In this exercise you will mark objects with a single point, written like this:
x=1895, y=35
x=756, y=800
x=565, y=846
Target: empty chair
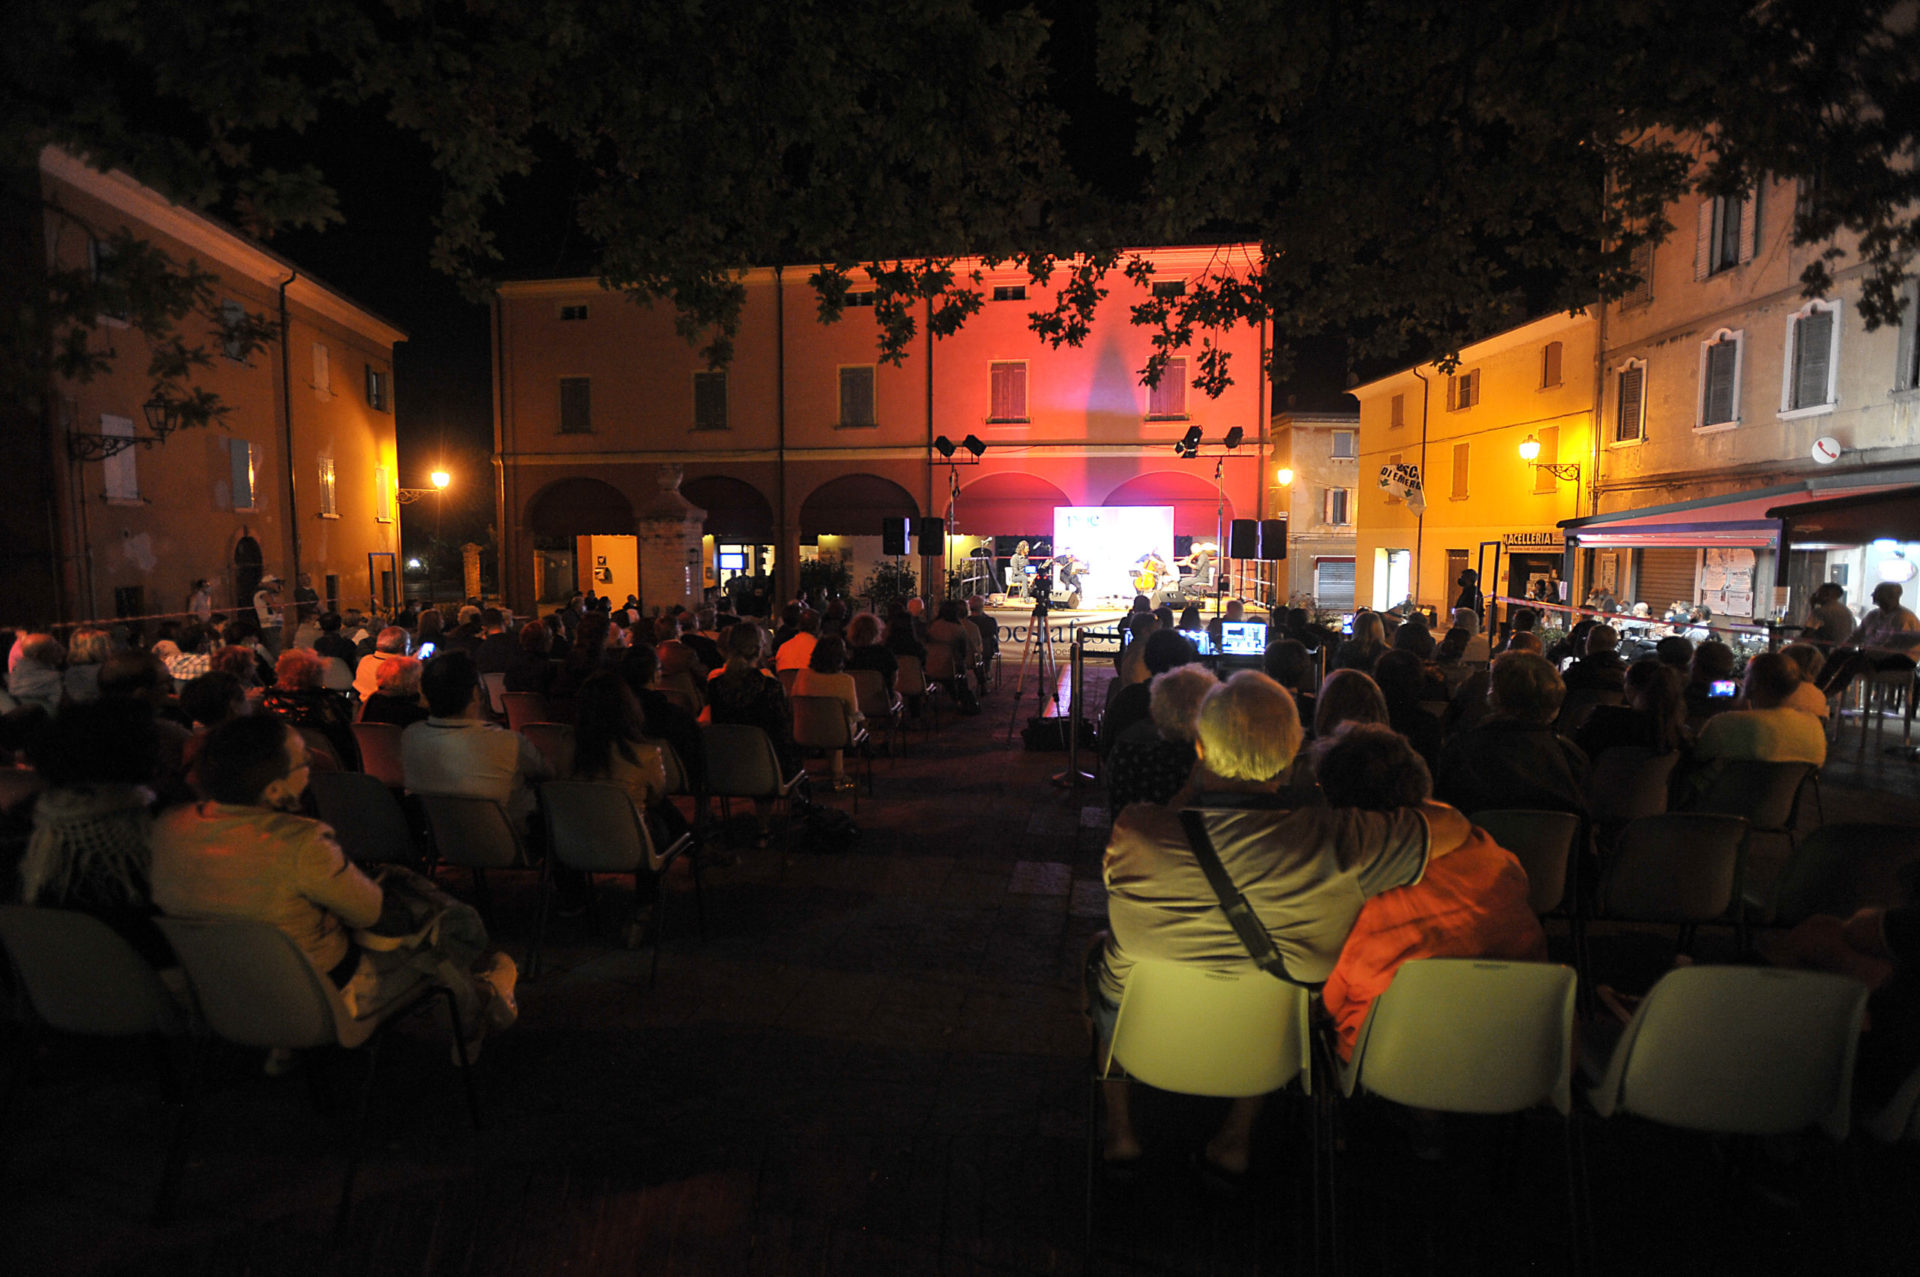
x=82, y=976
x=1628, y=782
x=1818, y=875
x=1681, y=867
x=1543, y=842
x=524, y=708
x=1579, y=705
x=380, y=752
x=366, y=816
x=594, y=827
x=1765, y=795
x=823, y=722
x=256, y=989
x=495, y=685
x=555, y=743
x=475, y=833
x=1739, y=1051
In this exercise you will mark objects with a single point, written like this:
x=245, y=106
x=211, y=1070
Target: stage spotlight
x=944, y=446
x=1234, y=436
x=972, y=444
x=1191, y=440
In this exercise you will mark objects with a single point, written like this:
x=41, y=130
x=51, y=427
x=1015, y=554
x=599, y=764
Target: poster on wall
x=1726, y=581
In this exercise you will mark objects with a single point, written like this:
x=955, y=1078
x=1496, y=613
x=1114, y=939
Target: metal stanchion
x=1073, y=777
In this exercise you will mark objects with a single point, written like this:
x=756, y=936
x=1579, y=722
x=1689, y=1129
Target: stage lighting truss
x=949, y=450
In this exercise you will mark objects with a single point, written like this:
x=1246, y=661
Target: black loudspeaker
x=933, y=538
x=1243, y=539
x=893, y=536
x=1273, y=538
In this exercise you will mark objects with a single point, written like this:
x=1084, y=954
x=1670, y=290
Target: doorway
x=247, y=570
x=381, y=579
x=1392, y=578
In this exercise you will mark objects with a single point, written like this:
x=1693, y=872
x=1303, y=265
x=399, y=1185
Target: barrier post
x=1073, y=777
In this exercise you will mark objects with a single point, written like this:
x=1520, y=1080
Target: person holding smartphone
x=1768, y=730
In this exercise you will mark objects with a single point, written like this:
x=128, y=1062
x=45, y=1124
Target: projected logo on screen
x=1121, y=546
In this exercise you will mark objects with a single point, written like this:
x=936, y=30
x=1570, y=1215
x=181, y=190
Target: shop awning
x=1856, y=519
x=1749, y=520
x=1012, y=503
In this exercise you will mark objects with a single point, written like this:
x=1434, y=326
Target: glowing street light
x=1529, y=449
x=1283, y=476
x=441, y=479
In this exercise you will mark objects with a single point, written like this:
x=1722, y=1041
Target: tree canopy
x=1408, y=176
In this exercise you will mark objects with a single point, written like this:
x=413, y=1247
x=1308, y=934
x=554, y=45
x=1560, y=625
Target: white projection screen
x=1110, y=540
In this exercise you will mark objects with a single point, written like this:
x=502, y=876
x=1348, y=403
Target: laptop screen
x=1201, y=643
x=1243, y=638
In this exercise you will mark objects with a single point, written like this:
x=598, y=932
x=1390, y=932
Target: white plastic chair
x=367, y=818
x=1739, y=1051
x=593, y=826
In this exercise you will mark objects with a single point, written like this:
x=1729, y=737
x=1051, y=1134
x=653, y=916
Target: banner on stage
x=1113, y=541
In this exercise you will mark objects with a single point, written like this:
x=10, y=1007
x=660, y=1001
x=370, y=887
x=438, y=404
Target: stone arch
x=579, y=506
x=1010, y=503
x=736, y=510
x=1195, y=501
x=854, y=505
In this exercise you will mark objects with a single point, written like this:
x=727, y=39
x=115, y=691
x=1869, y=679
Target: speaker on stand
x=893, y=536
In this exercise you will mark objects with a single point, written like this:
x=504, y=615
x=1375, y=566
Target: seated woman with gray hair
x=1153, y=759
x=1305, y=872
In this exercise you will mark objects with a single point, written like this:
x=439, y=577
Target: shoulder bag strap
x=1246, y=924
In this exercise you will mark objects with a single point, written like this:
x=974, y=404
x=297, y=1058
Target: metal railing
x=1736, y=633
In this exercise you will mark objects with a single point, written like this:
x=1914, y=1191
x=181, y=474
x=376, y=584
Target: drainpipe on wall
x=786, y=578
x=1420, y=520
x=503, y=536
x=926, y=571
x=286, y=425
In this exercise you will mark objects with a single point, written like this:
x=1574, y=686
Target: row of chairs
x=1729, y=1050
x=248, y=985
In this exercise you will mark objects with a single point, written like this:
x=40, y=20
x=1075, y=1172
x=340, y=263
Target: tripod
x=1039, y=652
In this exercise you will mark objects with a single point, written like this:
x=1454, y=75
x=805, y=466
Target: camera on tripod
x=1041, y=589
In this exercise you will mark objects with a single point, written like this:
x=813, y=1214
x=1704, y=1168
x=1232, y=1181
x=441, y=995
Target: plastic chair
x=678, y=782
x=1900, y=1119
x=1739, y=1051
x=366, y=816
x=255, y=988
x=593, y=826
x=741, y=763
x=878, y=704
x=525, y=707
x=475, y=833
x=495, y=685
x=1186, y=1029
x=1579, y=705
x=910, y=681
x=1629, y=782
x=1680, y=867
x=822, y=722
x=1818, y=876
x=1766, y=795
x=321, y=755
x=787, y=679
x=555, y=743
x=1543, y=842
x=380, y=752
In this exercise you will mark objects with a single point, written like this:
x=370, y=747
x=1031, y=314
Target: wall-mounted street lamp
x=1284, y=476
x=440, y=480
x=1563, y=470
x=163, y=418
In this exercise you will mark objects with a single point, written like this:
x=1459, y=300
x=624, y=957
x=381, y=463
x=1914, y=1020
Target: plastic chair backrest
x=496, y=685
x=787, y=679
x=871, y=687
x=1817, y=877
x=1628, y=782
x=1900, y=1119
x=366, y=817
x=525, y=707
x=1681, y=866
x=1739, y=1051
x=1579, y=705
x=1764, y=793
x=555, y=743
x=1543, y=843
x=321, y=755
x=83, y=977
x=675, y=766
x=472, y=832
x=1198, y=1032
x=941, y=662
x=17, y=784
x=821, y=722
x=380, y=752
x=254, y=986
x=1466, y=1036
x=682, y=690
x=338, y=676
x=592, y=826
x=911, y=680
x=740, y=761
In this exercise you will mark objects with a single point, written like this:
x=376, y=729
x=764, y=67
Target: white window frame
x=1787, y=364
x=1173, y=379
x=1352, y=440
x=1024, y=410
x=120, y=473
x=873, y=397
x=726, y=400
x=329, y=490
x=383, y=494
x=1739, y=339
x=1710, y=252
x=1619, y=373
x=1336, y=497
x=252, y=455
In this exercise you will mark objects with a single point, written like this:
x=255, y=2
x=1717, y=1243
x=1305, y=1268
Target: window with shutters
x=1544, y=480
x=1641, y=293
x=576, y=405
x=105, y=274
x=382, y=495
x=856, y=397
x=1168, y=400
x=1906, y=371
x=1720, y=380
x=1397, y=412
x=710, y=400
x=1010, y=292
x=1630, y=402
x=573, y=314
x=243, y=464
x=1550, y=365
x=1009, y=391
x=1463, y=390
x=1346, y=445
x=863, y=297
x=120, y=473
x=322, y=372
x=1459, y=492
x=1171, y=288
x=1813, y=350
x=1729, y=227
x=232, y=315
x=379, y=394
x=1337, y=506
x=329, y=494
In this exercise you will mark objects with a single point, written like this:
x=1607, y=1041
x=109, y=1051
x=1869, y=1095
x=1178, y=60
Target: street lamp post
x=441, y=480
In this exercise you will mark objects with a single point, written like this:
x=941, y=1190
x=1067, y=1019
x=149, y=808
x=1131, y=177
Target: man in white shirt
x=1885, y=640
x=266, y=610
x=455, y=751
x=390, y=642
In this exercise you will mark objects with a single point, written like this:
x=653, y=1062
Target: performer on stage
x=1017, y=572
